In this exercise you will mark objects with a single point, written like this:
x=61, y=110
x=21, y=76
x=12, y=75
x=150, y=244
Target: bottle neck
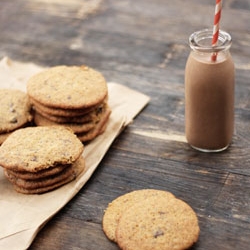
x=201, y=42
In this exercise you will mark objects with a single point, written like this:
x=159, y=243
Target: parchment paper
x=21, y=216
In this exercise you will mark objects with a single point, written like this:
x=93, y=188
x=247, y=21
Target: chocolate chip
x=34, y=158
x=99, y=110
x=158, y=233
x=13, y=120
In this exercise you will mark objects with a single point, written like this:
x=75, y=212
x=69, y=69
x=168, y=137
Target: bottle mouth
x=202, y=41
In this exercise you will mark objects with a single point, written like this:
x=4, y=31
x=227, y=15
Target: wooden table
x=143, y=44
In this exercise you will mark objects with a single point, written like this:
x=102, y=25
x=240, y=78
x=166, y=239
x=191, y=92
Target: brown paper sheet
x=21, y=216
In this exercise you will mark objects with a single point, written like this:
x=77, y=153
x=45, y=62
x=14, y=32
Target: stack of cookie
x=151, y=219
x=70, y=96
x=15, y=112
x=40, y=159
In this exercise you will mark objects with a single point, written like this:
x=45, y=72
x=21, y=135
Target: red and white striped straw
x=216, y=28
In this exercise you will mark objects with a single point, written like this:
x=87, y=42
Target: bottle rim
x=202, y=41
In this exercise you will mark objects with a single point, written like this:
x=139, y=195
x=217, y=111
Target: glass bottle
x=209, y=92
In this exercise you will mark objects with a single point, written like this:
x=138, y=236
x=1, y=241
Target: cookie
x=61, y=111
x=76, y=127
x=36, y=148
x=68, y=87
x=78, y=168
x=97, y=130
x=15, y=110
x=41, y=182
x=93, y=115
x=3, y=137
x=44, y=189
x=37, y=175
x=158, y=223
x=71, y=96
x=119, y=206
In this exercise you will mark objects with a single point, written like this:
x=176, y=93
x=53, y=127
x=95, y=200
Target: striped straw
x=216, y=28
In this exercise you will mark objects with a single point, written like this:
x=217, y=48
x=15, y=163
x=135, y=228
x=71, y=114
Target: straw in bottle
x=216, y=27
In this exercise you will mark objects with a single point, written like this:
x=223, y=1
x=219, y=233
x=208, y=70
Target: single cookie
x=158, y=223
x=15, y=110
x=119, y=206
x=68, y=87
x=35, y=148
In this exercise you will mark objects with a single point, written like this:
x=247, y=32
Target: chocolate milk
x=209, y=101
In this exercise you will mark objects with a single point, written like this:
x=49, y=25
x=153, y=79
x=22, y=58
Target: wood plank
x=73, y=234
